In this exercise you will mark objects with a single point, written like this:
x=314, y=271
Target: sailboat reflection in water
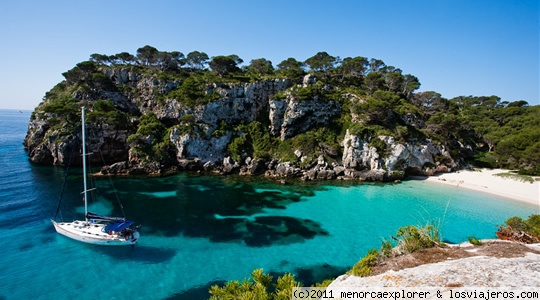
x=96, y=229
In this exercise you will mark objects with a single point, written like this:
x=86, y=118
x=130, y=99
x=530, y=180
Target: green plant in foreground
x=259, y=286
x=409, y=239
x=363, y=267
x=473, y=240
x=413, y=238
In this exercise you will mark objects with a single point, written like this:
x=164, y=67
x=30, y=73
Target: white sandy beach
x=484, y=180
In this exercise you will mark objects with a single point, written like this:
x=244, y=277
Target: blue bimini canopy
x=118, y=226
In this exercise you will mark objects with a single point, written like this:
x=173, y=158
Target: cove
x=202, y=230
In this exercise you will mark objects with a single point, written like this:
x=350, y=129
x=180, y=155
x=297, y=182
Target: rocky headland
x=199, y=136
x=355, y=118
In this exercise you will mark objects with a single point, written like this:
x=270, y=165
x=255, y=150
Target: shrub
x=413, y=238
x=363, y=267
x=409, y=239
x=187, y=118
x=524, y=230
x=104, y=112
x=473, y=240
x=259, y=286
x=151, y=140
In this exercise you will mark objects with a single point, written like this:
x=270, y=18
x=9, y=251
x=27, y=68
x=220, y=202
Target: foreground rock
x=494, y=264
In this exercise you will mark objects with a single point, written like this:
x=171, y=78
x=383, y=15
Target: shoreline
x=483, y=180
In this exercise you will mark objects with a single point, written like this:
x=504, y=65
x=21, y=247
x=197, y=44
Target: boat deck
x=93, y=233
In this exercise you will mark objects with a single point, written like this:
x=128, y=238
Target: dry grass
x=498, y=249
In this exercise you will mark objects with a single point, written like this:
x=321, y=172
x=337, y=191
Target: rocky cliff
x=146, y=123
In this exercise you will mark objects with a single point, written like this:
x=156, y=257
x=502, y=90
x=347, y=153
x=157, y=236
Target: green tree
x=65, y=107
x=104, y=112
x=124, y=58
x=169, y=60
x=261, y=67
x=147, y=55
x=291, y=68
x=196, y=59
x=82, y=72
x=393, y=79
x=321, y=62
x=429, y=102
x=409, y=85
x=353, y=69
x=376, y=65
x=150, y=143
x=379, y=108
x=100, y=58
x=374, y=82
x=223, y=65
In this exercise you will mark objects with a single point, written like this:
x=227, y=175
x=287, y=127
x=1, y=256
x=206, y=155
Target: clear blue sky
x=455, y=47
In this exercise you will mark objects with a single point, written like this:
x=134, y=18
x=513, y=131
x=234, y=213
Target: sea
x=201, y=230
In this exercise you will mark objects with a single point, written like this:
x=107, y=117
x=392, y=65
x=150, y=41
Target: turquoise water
x=201, y=230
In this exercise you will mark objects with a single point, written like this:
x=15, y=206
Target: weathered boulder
x=229, y=165
x=281, y=170
x=252, y=167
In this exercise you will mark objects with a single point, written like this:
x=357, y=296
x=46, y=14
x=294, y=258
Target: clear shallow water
x=202, y=230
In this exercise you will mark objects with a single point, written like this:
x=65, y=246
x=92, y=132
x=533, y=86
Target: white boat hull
x=93, y=233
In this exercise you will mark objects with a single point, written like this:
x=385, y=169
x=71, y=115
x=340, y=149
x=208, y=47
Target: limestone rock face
x=289, y=117
x=194, y=146
x=409, y=155
x=358, y=155
x=299, y=116
x=309, y=79
x=53, y=146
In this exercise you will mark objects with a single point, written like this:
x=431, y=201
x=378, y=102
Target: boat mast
x=84, y=166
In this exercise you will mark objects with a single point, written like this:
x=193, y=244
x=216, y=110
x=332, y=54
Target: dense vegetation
x=375, y=98
x=524, y=231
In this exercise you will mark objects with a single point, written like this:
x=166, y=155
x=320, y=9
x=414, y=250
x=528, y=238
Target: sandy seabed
x=484, y=180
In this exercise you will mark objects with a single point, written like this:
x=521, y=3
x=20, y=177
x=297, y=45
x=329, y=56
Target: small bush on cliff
x=150, y=142
x=253, y=140
x=64, y=106
x=104, y=112
x=192, y=92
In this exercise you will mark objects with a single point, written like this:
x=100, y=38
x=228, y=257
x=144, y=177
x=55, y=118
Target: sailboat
x=97, y=229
